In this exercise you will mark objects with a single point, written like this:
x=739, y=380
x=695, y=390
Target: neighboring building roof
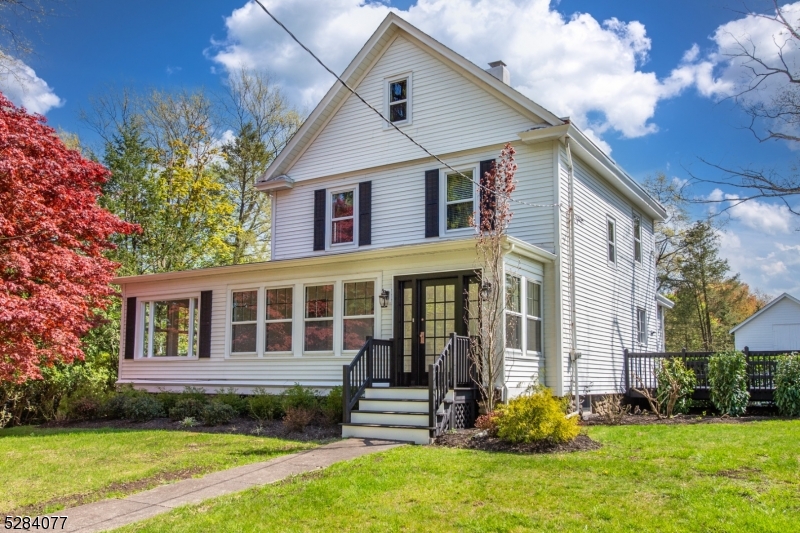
x=663, y=301
x=766, y=307
x=373, y=50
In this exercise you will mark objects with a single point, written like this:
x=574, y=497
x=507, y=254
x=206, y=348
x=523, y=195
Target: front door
x=430, y=308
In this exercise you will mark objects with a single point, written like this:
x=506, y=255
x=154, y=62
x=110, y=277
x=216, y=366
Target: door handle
x=422, y=337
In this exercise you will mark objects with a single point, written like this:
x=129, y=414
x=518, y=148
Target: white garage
x=775, y=327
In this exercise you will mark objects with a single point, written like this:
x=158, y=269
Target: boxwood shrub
x=727, y=377
x=787, y=385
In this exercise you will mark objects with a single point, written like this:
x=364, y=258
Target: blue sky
x=661, y=115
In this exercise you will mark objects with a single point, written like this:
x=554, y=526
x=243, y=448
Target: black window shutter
x=319, y=219
x=130, y=326
x=487, y=196
x=431, y=203
x=365, y=213
x=204, y=344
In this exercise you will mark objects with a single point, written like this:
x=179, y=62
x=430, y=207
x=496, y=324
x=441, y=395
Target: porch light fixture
x=486, y=289
x=384, y=298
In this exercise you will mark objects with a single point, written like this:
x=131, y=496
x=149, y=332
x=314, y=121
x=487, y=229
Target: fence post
x=627, y=372
x=370, y=353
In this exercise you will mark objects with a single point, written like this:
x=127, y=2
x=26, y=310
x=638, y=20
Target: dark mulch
x=476, y=439
x=240, y=426
x=649, y=419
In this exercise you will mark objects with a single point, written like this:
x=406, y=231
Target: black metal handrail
x=372, y=364
x=640, y=371
x=446, y=372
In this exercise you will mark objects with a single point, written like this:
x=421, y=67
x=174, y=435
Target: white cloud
x=22, y=86
x=769, y=218
x=774, y=268
x=576, y=66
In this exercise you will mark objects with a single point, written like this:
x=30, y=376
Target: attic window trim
x=387, y=83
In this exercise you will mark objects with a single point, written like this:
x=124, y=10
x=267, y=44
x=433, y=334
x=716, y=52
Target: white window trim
x=329, y=217
x=229, y=318
x=637, y=240
x=641, y=332
x=373, y=316
x=469, y=230
x=611, y=241
x=145, y=353
x=265, y=321
x=529, y=316
x=337, y=336
x=408, y=76
x=519, y=314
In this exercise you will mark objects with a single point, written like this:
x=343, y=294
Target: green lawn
x=49, y=469
x=720, y=477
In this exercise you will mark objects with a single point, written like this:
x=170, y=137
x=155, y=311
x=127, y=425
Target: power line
x=392, y=124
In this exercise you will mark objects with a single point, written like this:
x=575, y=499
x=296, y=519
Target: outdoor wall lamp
x=486, y=289
x=384, y=298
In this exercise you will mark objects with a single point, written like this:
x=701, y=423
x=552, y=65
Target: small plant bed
x=477, y=439
x=237, y=426
x=679, y=419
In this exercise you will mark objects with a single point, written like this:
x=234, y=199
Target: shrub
x=488, y=422
x=188, y=422
x=536, y=416
x=216, y=413
x=298, y=418
x=676, y=385
x=114, y=406
x=231, y=397
x=727, y=377
x=301, y=397
x=611, y=409
x=168, y=399
x=144, y=407
x=264, y=406
x=787, y=385
x=332, y=407
x=187, y=408
x=81, y=407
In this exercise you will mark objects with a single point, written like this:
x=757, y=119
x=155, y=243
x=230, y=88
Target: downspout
x=573, y=352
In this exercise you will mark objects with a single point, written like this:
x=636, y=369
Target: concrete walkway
x=113, y=513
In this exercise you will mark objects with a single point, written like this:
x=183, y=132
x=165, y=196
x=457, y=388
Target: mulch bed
x=476, y=439
x=650, y=419
x=239, y=426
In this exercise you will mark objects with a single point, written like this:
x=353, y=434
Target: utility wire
x=392, y=124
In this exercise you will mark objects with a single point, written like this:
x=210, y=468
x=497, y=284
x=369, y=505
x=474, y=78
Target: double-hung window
x=513, y=312
x=342, y=217
x=641, y=325
x=637, y=239
x=244, y=321
x=398, y=100
x=459, y=199
x=170, y=328
x=533, y=312
x=278, y=318
x=359, y=314
x=318, y=334
x=611, y=237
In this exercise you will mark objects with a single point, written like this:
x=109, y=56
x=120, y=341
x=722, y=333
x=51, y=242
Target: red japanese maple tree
x=53, y=275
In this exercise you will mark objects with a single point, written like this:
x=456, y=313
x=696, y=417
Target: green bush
x=168, y=399
x=727, y=377
x=187, y=408
x=264, y=406
x=83, y=404
x=787, y=385
x=141, y=408
x=231, y=397
x=115, y=405
x=195, y=393
x=674, y=371
x=332, y=407
x=536, y=416
x=299, y=396
x=216, y=413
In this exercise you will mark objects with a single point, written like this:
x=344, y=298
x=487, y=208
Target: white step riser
x=417, y=436
x=397, y=392
x=390, y=419
x=408, y=407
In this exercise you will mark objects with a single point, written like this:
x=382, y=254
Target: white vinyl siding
x=777, y=328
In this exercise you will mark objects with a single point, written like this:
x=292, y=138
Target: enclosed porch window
x=170, y=328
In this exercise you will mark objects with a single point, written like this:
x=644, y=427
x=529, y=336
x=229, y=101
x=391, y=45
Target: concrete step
x=406, y=393
x=415, y=434
x=389, y=418
x=393, y=404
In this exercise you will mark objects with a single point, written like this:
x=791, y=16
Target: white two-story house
x=371, y=238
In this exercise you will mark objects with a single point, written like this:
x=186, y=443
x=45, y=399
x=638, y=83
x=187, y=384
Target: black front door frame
x=418, y=376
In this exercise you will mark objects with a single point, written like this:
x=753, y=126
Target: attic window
x=398, y=99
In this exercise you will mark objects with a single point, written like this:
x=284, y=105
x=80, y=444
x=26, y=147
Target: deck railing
x=450, y=369
x=372, y=364
x=640, y=371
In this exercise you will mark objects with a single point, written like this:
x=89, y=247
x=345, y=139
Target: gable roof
x=780, y=298
x=360, y=66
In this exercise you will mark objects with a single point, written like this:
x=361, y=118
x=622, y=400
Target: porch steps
x=395, y=413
